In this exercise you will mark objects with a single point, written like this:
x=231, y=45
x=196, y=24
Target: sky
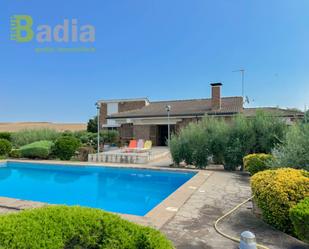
x=160, y=49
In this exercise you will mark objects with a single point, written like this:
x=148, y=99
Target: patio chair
x=132, y=146
x=140, y=146
x=147, y=146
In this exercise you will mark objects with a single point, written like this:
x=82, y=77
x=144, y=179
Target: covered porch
x=154, y=129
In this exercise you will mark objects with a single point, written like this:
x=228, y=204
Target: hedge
x=5, y=147
x=214, y=140
x=299, y=216
x=276, y=191
x=57, y=227
x=40, y=149
x=254, y=163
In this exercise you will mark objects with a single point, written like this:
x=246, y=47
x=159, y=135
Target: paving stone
x=192, y=227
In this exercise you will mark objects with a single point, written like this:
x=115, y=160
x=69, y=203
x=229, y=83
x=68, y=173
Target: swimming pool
x=121, y=190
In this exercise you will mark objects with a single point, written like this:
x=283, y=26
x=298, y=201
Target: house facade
x=142, y=119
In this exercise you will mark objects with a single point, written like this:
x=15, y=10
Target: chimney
x=216, y=96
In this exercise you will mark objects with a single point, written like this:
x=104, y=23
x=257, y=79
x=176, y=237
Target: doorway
x=163, y=134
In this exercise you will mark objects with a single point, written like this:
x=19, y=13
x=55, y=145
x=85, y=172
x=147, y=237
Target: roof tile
x=192, y=107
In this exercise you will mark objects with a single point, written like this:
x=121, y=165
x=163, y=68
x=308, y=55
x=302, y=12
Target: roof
x=274, y=111
x=122, y=100
x=191, y=107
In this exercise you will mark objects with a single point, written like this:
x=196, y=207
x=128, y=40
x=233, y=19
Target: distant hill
x=38, y=125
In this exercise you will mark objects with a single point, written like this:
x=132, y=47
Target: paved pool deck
x=192, y=226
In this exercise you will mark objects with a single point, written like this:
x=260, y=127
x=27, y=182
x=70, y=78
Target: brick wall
x=141, y=131
x=185, y=122
x=126, y=133
x=216, y=97
x=122, y=107
x=132, y=105
x=103, y=114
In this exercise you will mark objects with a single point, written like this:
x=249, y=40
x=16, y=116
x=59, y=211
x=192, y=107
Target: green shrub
x=241, y=139
x=299, y=216
x=86, y=137
x=39, y=149
x=25, y=137
x=254, y=163
x=226, y=142
x=269, y=131
x=276, y=191
x=65, y=147
x=190, y=146
x=201, y=151
x=15, y=153
x=293, y=152
x=186, y=148
x=109, y=136
x=56, y=227
x=175, y=148
x=216, y=132
x=6, y=135
x=5, y=147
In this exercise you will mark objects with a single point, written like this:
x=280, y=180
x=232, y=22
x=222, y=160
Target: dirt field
x=38, y=125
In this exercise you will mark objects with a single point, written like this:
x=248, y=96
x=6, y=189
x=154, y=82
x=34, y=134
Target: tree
x=92, y=125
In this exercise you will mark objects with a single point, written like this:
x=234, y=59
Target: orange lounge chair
x=132, y=146
x=140, y=145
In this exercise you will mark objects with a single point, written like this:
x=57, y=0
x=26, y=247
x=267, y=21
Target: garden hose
x=228, y=213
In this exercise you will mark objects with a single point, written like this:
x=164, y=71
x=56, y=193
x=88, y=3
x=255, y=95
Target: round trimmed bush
x=40, y=150
x=5, y=147
x=254, y=163
x=276, y=191
x=56, y=227
x=299, y=216
x=65, y=147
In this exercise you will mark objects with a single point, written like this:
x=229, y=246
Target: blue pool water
x=122, y=190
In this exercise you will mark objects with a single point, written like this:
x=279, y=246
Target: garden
x=51, y=144
x=275, y=154
x=54, y=227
